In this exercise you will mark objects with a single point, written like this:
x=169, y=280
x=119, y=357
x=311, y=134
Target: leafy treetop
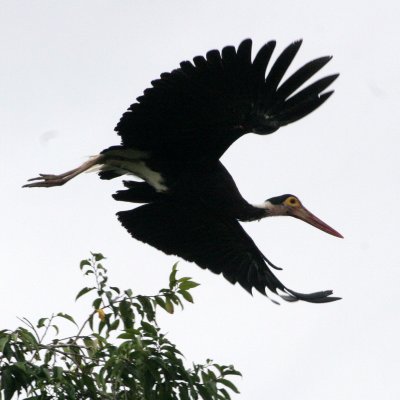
x=118, y=352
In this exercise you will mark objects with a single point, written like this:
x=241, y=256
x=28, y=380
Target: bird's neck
x=253, y=212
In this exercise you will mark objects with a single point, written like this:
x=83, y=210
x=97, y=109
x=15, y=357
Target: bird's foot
x=47, y=180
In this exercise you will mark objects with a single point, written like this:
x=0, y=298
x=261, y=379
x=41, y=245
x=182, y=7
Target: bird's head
x=288, y=204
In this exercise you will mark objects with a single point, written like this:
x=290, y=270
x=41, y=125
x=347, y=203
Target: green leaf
x=100, y=338
x=55, y=328
x=129, y=334
x=172, y=276
x=148, y=328
x=3, y=341
x=27, y=337
x=183, y=393
x=188, y=285
x=89, y=383
x=160, y=301
x=114, y=325
x=49, y=354
x=41, y=322
x=186, y=295
x=90, y=320
x=171, y=348
x=102, y=272
x=84, y=263
x=109, y=295
x=102, y=325
x=232, y=372
x=228, y=384
x=169, y=307
x=96, y=303
x=68, y=317
x=57, y=373
x=147, y=307
x=184, y=279
x=225, y=394
x=126, y=313
x=116, y=289
x=98, y=256
x=8, y=383
x=46, y=373
x=204, y=392
x=175, y=299
x=84, y=291
x=91, y=345
x=212, y=375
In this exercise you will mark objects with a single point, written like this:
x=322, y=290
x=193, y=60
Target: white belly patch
x=130, y=161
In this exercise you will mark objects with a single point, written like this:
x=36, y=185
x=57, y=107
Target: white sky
x=70, y=68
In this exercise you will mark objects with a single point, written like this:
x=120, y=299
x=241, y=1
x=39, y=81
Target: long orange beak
x=306, y=216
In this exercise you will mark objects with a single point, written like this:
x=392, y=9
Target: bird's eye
x=292, y=201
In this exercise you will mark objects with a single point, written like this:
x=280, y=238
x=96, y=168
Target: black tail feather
x=137, y=192
x=316, y=297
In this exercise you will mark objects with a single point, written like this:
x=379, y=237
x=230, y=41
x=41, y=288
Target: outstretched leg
x=46, y=180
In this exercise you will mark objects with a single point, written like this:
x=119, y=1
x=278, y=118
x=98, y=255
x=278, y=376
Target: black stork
x=173, y=138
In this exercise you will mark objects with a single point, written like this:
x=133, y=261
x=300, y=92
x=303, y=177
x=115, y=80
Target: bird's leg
x=47, y=180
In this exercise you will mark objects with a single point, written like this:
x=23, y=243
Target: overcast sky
x=69, y=69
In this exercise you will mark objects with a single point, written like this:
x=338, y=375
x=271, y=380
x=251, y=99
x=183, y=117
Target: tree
x=118, y=352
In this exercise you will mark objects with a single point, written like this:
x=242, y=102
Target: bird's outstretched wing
x=200, y=109
x=220, y=245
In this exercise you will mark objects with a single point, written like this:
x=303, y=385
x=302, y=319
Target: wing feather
x=218, y=244
x=301, y=76
x=261, y=61
x=198, y=110
x=280, y=67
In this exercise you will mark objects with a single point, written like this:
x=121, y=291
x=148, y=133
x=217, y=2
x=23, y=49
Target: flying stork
x=173, y=138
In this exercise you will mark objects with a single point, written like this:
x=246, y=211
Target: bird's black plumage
x=198, y=221
x=173, y=138
x=186, y=121
x=211, y=240
x=194, y=113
